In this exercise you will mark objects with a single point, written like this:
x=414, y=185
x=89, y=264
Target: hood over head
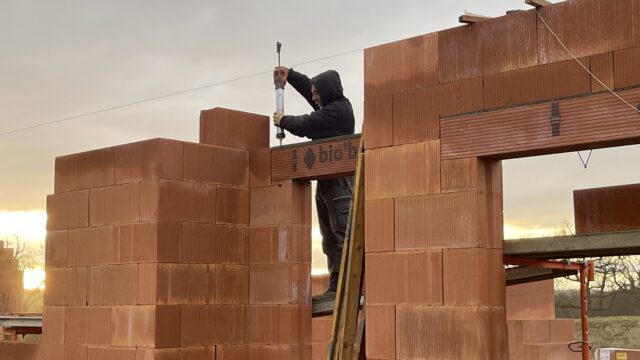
x=329, y=86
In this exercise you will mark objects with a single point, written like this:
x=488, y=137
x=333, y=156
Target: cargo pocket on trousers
x=342, y=205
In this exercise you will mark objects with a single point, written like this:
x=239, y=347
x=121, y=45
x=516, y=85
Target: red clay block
x=230, y=244
x=22, y=350
x=232, y=205
x=270, y=244
x=301, y=243
x=68, y=210
x=229, y=324
x=537, y=288
x=66, y=286
x=627, y=67
x=460, y=97
x=459, y=53
x=321, y=329
x=149, y=159
x=232, y=352
x=272, y=205
x=594, y=27
x=272, y=284
x=84, y=170
x=195, y=325
x=55, y=249
x=53, y=325
x=391, y=278
x=106, y=353
x=381, y=330
x=155, y=242
x=602, y=68
x=406, y=170
x=146, y=326
x=534, y=84
x=378, y=122
x=453, y=220
x=473, y=277
x=262, y=323
x=401, y=65
x=471, y=174
x=197, y=243
x=319, y=284
x=450, y=332
x=173, y=284
x=87, y=325
x=501, y=53
x=606, y=209
x=113, y=285
x=91, y=246
x=231, y=284
x=294, y=324
x=415, y=116
x=216, y=164
x=562, y=330
x=63, y=352
x=525, y=307
x=260, y=167
x=234, y=129
x=165, y=200
x=378, y=225
x=183, y=353
x=167, y=325
x=118, y=204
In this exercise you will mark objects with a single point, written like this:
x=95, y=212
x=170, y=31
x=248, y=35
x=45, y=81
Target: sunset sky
x=61, y=59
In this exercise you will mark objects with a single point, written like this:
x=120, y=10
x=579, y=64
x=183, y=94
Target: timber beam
x=526, y=274
x=537, y=3
x=470, y=18
x=574, y=246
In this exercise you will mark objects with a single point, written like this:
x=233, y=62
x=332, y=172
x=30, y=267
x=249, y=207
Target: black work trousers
x=333, y=198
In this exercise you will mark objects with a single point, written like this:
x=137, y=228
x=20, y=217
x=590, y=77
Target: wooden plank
x=355, y=265
x=526, y=274
x=575, y=246
x=582, y=123
x=318, y=159
x=345, y=314
x=537, y=3
x=470, y=18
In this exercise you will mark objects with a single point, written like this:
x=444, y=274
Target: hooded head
x=328, y=87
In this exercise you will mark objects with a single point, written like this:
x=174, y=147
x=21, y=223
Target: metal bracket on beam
x=470, y=18
x=537, y=3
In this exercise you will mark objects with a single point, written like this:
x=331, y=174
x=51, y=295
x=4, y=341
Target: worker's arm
x=302, y=84
x=318, y=124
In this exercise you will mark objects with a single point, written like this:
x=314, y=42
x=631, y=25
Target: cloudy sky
x=64, y=58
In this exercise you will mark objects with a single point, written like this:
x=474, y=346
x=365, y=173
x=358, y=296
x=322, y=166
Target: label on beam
x=319, y=159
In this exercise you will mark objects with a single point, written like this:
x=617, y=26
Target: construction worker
x=332, y=116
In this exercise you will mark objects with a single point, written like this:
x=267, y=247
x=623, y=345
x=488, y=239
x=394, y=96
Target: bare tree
x=28, y=255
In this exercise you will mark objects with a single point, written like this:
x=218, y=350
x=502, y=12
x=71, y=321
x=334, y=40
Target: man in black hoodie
x=333, y=116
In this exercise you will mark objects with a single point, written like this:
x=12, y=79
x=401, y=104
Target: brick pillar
x=148, y=250
x=433, y=227
x=11, y=288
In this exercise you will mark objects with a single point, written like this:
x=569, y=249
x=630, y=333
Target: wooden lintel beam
x=537, y=3
x=470, y=18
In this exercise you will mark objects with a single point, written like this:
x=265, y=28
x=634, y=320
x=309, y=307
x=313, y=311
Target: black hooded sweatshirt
x=334, y=118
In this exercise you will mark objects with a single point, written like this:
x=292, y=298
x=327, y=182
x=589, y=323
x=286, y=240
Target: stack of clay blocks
x=434, y=272
x=11, y=291
x=166, y=249
x=534, y=332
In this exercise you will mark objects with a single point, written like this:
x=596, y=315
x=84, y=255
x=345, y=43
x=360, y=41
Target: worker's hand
x=277, y=116
x=280, y=76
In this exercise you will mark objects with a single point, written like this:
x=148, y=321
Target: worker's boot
x=328, y=295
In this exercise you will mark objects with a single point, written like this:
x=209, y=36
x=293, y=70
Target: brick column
x=433, y=227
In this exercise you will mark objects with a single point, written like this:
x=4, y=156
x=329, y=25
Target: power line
x=245, y=77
